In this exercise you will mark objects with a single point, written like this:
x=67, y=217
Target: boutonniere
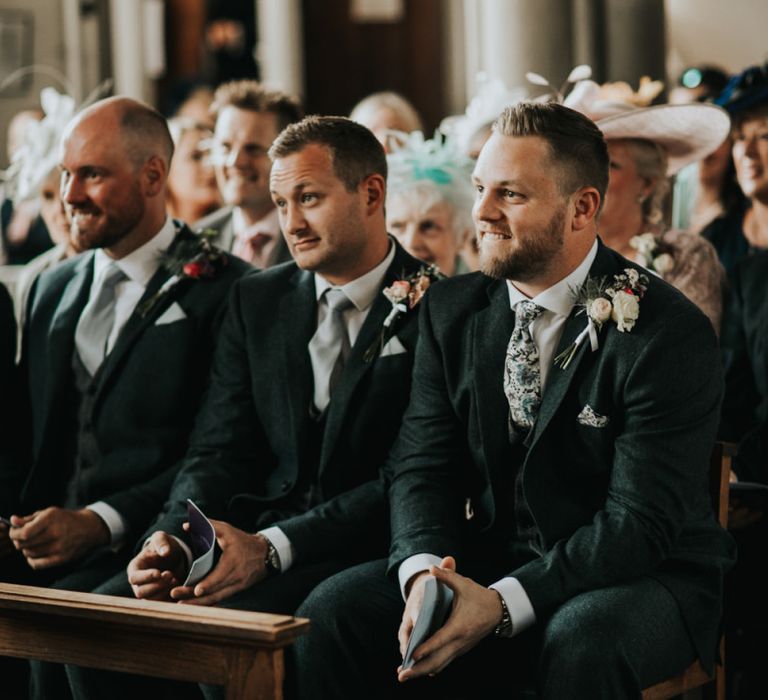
x=404, y=294
x=601, y=300
x=655, y=253
x=191, y=259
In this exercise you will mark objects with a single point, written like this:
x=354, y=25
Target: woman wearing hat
x=744, y=229
x=429, y=200
x=646, y=146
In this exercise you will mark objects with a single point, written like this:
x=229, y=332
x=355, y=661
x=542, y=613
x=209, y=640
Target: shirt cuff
x=413, y=565
x=283, y=546
x=518, y=604
x=113, y=520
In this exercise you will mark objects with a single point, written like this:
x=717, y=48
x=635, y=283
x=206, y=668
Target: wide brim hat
x=687, y=132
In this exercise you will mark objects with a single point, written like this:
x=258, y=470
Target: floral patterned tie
x=522, y=375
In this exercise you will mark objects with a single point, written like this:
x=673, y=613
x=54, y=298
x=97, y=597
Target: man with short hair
x=117, y=350
x=312, y=375
x=248, y=119
x=555, y=452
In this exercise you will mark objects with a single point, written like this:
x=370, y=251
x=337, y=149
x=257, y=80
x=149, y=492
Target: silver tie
x=329, y=347
x=522, y=374
x=96, y=321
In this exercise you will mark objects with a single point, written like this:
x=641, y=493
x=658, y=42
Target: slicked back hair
x=576, y=145
x=355, y=151
x=254, y=97
x=145, y=134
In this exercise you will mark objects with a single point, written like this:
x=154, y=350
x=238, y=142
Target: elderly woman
x=743, y=228
x=192, y=192
x=429, y=201
x=646, y=146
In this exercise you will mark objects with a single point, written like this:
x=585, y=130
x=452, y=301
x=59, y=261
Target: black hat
x=745, y=90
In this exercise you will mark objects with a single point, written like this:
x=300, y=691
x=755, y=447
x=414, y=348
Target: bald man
x=118, y=346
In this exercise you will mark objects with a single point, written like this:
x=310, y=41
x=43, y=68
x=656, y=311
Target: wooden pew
x=243, y=651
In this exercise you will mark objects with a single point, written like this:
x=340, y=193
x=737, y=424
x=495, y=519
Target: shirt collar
x=558, y=298
x=269, y=225
x=362, y=291
x=142, y=263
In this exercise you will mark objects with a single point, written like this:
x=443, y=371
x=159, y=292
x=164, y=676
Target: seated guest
x=37, y=179
x=429, y=201
x=744, y=229
x=192, y=190
x=558, y=488
x=23, y=235
x=311, y=377
x=8, y=407
x=248, y=119
x=386, y=113
x=110, y=348
x=647, y=145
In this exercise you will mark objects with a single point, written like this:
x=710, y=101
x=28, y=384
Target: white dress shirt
x=361, y=292
x=557, y=302
x=139, y=267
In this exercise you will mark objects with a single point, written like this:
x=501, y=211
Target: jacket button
x=286, y=485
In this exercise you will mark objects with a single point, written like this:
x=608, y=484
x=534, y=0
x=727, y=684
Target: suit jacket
x=221, y=222
x=9, y=404
x=610, y=504
x=146, y=393
x=745, y=356
x=252, y=451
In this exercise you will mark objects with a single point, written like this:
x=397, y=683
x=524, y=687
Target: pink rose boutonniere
x=603, y=301
x=404, y=295
x=192, y=259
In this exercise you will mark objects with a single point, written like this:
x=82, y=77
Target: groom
x=552, y=465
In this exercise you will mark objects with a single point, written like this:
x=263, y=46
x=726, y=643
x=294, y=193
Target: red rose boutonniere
x=191, y=259
x=404, y=294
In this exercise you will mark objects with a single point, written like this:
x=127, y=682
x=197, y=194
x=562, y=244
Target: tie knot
x=112, y=275
x=337, y=300
x=527, y=312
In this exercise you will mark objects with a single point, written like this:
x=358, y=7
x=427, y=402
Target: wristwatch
x=272, y=559
x=504, y=628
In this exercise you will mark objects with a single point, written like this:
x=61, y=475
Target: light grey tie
x=96, y=321
x=522, y=374
x=329, y=347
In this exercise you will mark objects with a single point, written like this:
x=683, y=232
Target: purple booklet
x=202, y=540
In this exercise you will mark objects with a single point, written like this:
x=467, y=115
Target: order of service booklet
x=434, y=612
x=202, y=540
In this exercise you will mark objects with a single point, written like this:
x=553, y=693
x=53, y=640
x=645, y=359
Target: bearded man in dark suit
x=287, y=451
x=557, y=460
x=117, y=350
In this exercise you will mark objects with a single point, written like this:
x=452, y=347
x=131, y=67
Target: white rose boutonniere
x=601, y=300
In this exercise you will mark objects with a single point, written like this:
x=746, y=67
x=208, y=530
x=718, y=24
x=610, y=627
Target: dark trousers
x=606, y=644
x=281, y=594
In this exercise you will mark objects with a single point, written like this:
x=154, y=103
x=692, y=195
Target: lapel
x=296, y=324
x=137, y=323
x=61, y=337
x=356, y=367
x=560, y=379
x=492, y=329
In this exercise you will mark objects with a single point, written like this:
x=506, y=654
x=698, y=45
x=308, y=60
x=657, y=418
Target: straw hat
x=688, y=132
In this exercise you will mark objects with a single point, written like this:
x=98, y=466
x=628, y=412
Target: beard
x=92, y=227
x=532, y=256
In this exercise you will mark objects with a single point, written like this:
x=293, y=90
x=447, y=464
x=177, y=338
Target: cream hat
x=688, y=132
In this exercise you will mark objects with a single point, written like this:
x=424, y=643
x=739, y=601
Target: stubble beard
x=533, y=256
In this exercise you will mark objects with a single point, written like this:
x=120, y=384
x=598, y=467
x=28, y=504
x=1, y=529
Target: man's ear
x=586, y=202
x=374, y=188
x=154, y=174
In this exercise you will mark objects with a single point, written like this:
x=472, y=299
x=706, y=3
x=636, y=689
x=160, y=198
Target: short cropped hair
x=575, y=143
x=355, y=151
x=254, y=97
x=145, y=133
x=408, y=117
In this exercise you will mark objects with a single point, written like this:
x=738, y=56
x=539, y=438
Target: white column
x=127, y=29
x=280, y=44
x=73, y=47
x=517, y=36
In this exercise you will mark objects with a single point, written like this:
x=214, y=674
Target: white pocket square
x=592, y=419
x=173, y=313
x=393, y=347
